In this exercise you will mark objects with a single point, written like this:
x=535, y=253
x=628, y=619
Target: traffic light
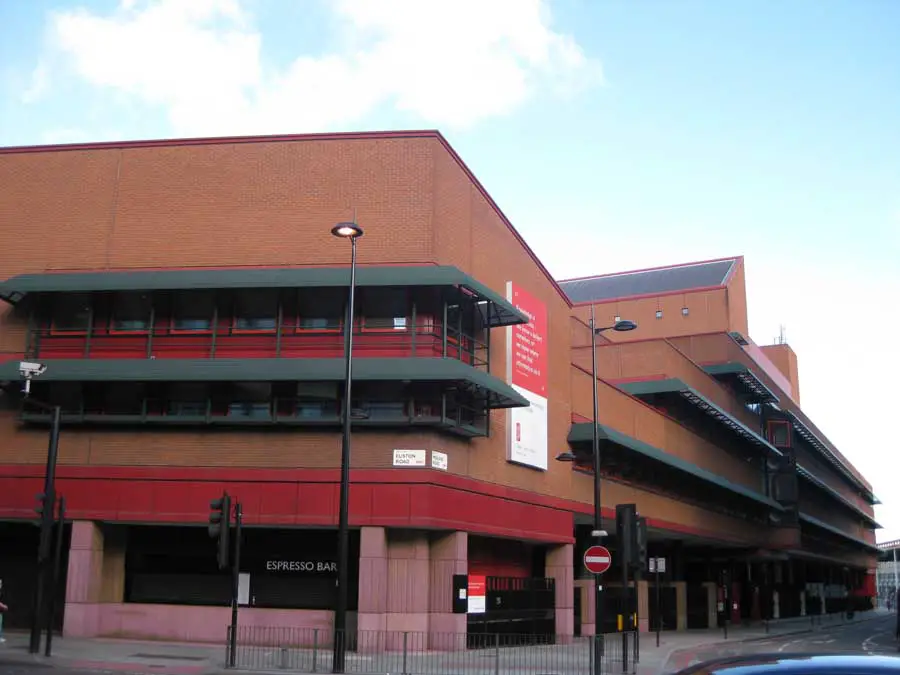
x=640, y=547
x=626, y=514
x=220, y=525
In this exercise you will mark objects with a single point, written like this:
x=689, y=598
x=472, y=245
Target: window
x=124, y=398
x=187, y=399
x=385, y=323
x=316, y=400
x=130, y=312
x=251, y=401
x=72, y=312
x=322, y=310
x=384, y=308
x=256, y=310
x=193, y=311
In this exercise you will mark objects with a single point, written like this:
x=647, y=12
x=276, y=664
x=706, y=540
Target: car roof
x=757, y=664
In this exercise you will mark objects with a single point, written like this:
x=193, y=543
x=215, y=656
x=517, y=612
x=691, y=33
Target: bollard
x=315, y=648
x=284, y=658
x=405, y=636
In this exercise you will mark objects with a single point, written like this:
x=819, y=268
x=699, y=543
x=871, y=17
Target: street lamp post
x=350, y=231
x=598, y=532
x=28, y=371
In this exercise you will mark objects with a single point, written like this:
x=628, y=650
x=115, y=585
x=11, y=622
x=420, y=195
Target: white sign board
x=410, y=458
x=438, y=460
x=243, y=589
x=527, y=356
x=657, y=565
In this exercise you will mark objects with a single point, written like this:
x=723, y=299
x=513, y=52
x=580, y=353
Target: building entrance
x=517, y=609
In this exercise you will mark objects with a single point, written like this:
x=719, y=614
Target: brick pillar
x=84, y=581
x=449, y=554
x=559, y=565
x=373, y=575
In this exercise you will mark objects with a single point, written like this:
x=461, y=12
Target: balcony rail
x=310, y=650
x=225, y=341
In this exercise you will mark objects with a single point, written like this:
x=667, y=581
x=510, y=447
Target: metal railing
x=309, y=650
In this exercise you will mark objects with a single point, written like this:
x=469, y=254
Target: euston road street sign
x=597, y=559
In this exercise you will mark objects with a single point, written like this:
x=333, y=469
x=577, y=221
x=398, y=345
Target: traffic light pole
x=235, y=584
x=46, y=525
x=57, y=568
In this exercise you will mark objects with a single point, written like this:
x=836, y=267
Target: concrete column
x=559, y=565
x=84, y=581
x=407, y=589
x=585, y=587
x=681, y=604
x=373, y=575
x=643, y=602
x=712, y=613
x=449, y=555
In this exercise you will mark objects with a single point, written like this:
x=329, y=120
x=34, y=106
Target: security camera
x=29, y=370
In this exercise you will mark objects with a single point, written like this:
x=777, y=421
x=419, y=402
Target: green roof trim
x=676, y=386
x=504, y=313
x=499, y=394
x=834, y=530
x=583, y=433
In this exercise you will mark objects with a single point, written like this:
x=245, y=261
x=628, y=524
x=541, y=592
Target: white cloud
x=447, y=62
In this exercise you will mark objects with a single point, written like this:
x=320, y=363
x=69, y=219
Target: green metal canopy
x=502, y=313
x=498, y=393
x=676, y=386
x=810, y=520
x=834, y=494
x=580, y=433
x=747, y=379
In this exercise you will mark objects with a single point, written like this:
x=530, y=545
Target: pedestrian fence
x=310, y=650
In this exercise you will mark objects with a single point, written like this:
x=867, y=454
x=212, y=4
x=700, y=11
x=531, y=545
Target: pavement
x=867, y=632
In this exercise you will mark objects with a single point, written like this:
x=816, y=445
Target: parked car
x=797, y=664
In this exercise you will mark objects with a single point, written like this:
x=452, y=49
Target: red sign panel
x=597, y=559
x=529, y=344
x=477, y=594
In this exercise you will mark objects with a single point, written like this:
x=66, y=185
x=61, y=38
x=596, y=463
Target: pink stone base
x=182, y=623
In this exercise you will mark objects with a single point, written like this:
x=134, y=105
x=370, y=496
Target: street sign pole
x=597, y=560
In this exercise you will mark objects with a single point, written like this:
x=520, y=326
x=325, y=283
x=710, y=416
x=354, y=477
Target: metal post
x=235, y=583
x=658, y=604
x=598, y=505
x=626, y=613
x=34, y=643
x=57, y=565
x=340, y=614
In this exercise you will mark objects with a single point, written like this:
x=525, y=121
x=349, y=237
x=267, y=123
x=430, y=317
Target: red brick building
x=188, y=300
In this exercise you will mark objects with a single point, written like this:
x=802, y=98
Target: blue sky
x=615, y=135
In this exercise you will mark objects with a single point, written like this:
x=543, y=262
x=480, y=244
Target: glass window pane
x=71, y=312
x=193, y=310
x=130, y=312
x=256, y=310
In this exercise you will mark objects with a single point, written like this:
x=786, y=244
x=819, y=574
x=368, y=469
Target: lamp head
x=624, y=326
x=347, y=230
x=566, y=457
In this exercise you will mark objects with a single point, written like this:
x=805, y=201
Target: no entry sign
x=597, y=559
